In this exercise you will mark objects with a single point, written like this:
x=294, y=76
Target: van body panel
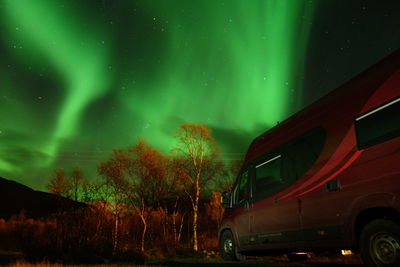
x=277, y=217
x=354, y=169
x=239, y=224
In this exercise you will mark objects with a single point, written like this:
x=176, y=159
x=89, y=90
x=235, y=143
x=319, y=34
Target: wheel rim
x=228, y=246
x=384, y=248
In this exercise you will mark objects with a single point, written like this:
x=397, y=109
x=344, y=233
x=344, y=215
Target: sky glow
x=79, y=78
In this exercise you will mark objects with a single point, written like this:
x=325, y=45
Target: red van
x=326, y=178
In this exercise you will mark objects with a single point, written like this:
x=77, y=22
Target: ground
x=348, y=261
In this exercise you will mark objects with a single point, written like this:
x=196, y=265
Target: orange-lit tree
x=196, y=163
x=138, y=174
x=73, y=186
x=147, y=179
x=59, y=183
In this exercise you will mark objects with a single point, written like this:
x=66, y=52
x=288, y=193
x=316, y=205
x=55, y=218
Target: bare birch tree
x=137, y=174
x=147, y=174
x=76, y=182
x=58, y=183
x=113, y=190
x=197, y=162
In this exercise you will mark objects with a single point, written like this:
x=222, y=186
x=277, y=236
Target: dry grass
x=44, y=264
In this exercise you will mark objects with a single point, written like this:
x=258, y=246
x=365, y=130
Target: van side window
x=267, y=177
x=302, y=153
x=378, y=125
x=235, y=195
x=243, y=188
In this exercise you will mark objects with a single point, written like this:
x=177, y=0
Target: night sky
x=79, y=78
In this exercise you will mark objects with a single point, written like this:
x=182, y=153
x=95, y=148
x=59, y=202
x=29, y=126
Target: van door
x=241, y=206
x=275, y=222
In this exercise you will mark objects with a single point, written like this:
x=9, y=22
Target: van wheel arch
x=368, y=215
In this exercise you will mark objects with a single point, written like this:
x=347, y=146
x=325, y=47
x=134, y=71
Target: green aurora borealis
x=78, y=78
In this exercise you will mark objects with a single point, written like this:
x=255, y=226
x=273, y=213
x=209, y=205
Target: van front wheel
x=380, y=243
x=228, y=247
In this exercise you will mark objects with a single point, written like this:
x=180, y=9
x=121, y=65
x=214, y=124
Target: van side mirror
x=226, y=200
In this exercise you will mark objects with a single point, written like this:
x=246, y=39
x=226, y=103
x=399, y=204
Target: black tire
x=228, y=248
x=380, y=243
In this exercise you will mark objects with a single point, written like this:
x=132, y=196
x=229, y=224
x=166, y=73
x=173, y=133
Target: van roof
x=307, y=118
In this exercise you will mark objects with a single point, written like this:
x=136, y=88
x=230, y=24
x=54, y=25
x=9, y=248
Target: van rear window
x=302, y=152
x=378, y=125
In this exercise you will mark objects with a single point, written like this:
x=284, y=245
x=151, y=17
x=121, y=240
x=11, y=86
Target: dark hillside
x=15, y=197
